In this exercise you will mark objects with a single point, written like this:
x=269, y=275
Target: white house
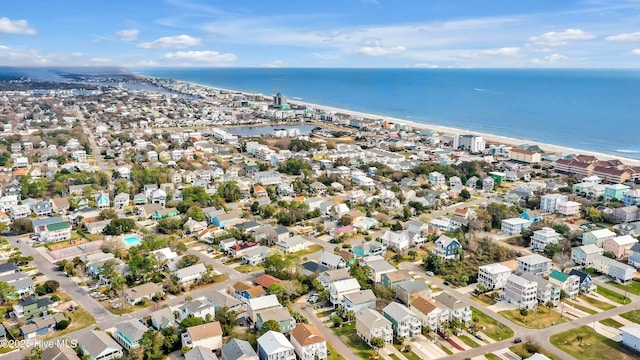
x=207, y=335
x=543, y=237
x=200, y=307
x=597, y=237
x=191, y=274
x=292, y=244
x=521, y=292
x=549, y=202
x=631, y=336
x=398, y=241
x=275, y=346
x=308, y=342
x=493, y=276
x=370, y=324
x=456, y=309
x=534, y=264
x=614, y=269
x=405, y=323
x=339, y=289
x=514, y=226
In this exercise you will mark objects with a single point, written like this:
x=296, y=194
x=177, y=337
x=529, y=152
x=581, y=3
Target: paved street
x=78, y=295
x=307, y=310
x=540, y=336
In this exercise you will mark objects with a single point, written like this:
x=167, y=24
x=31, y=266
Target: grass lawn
x=597, y=303
x=394, y=356
x=580, y=307
x=535, y=319
x=334, y=354
x=612, y=323
x=119, y=311
x=326, y=313
x=521, y=350
x=80, y=319
x=612, y=295
x=590, y=271
x=247, y=269
x=591, y=345
x=490, y=326
x=347, y=333
x=633, y=316
x=633, y=287
x=467, y=340
x=302, y=253
x=444, y=348
x=484, y=300
x=492, y=356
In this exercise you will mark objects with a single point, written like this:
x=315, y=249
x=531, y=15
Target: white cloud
x=128, y=34
x=171, y=42
x=326, y=56
x=500, y=52
x=275, y=64
x=381, y=50
x=554, y=38
x=209, y=57
x=634, y=36
x=635, y=51
x=425, y=66
x=20, y=27
x=549, y=59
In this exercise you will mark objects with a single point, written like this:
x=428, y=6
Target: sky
x=327, y=33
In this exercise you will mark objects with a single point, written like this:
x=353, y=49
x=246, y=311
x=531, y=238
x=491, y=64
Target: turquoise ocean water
x=596, y=110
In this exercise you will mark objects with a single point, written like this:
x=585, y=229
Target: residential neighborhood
x=196, y=223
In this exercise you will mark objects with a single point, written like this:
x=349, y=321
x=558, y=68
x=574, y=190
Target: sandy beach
x=510, y=141
x=548, y=148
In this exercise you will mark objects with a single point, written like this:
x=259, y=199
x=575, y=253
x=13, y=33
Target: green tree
x=270, y=325
x=8, y=292
x=196, y=213
x=377, y=342
x=108, y=213
x=119, y=226
x=21, y=226
x=188, y=260
x=412, y=254
x=432, y=262
x=63, y=324
x=191, y=321
x=465, y=195
x=152, y=342
x=228, y=320
x=229, y=191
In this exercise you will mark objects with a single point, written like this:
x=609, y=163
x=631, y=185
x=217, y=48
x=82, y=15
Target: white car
x=313, y=298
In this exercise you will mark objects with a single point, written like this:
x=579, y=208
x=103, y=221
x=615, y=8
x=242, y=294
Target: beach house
x=534, y=264
x=543, y=237
x=404, y=322
x=370, y=324
x=583, y=255
x=493, y=276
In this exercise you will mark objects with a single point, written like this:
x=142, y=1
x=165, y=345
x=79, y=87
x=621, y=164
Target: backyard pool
x=132, y=240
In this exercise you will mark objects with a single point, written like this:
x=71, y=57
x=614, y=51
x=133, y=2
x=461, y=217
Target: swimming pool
x=132, y=240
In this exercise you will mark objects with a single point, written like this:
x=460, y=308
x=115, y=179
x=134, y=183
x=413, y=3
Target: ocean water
x=596, y=110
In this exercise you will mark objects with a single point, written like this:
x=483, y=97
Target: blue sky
x=328, y=33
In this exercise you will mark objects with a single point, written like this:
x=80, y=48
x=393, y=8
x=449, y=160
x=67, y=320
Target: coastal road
x=80, y=296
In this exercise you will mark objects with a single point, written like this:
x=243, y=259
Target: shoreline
x=493, y=138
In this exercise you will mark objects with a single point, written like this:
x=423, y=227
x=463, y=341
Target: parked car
x=430, y=273
x=517, y=341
